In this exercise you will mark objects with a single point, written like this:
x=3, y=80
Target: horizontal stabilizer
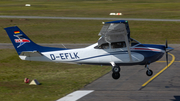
x=31, y=54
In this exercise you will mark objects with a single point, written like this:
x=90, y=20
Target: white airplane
x=114, y=48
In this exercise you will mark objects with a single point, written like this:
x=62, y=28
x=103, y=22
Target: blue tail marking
x=22, y=43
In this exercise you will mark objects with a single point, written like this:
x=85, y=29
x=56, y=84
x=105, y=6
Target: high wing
x=115, y=31
x=115, y=34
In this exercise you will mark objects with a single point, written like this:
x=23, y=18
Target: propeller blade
x=167, y=58
x=166, y=52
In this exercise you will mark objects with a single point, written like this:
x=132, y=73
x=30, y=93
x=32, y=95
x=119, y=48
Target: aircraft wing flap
x=31, y=54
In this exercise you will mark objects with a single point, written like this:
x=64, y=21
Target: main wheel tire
x=116, y=76
x=116, y=69
x=149, y=72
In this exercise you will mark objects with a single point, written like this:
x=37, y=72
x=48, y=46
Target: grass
x=86, y=31
x=93, y=8
x=155, y=32
x=57, y=79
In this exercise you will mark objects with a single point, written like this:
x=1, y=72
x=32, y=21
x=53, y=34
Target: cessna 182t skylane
x=114, y=47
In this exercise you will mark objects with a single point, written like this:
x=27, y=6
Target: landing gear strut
x=148, y=72
x=116, y=74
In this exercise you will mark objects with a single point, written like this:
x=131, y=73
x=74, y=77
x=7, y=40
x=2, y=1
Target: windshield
x=133, y=42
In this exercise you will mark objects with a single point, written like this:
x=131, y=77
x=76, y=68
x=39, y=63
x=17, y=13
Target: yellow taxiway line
x=166, y=61
x=173, y=58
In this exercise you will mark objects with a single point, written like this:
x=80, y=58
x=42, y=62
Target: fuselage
x=141, y=54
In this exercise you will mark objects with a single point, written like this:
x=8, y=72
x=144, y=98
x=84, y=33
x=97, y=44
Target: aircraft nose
x=168, y=49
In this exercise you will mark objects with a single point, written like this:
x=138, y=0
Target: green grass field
x=86, y=31
x=59, y=79
x=93, y=8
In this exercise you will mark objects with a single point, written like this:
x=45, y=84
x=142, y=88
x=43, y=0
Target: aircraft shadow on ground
x=177, y=98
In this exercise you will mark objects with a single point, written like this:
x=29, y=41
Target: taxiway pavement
x=165, y=87
x=84, y=18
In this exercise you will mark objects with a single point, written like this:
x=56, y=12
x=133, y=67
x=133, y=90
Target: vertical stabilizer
x=22, y=43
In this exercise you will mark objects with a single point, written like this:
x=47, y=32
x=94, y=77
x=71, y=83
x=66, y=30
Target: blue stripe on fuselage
x=162, y=47
x=151, y=56
x=110, y=53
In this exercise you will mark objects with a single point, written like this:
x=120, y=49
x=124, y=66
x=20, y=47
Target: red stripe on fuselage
x=145, y=49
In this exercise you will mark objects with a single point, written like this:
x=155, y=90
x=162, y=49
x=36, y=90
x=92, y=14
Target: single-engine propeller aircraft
x=114, y=48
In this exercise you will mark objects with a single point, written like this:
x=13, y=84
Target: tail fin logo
x=20, y=40
x=16, y=32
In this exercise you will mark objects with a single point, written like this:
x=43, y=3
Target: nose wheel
x=116, y=72
x=148, y=72
x=116, y=76
x=116, y=69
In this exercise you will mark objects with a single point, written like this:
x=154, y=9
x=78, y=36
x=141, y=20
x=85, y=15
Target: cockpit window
x=118, y=45
x=113, y=45
x=104, y=46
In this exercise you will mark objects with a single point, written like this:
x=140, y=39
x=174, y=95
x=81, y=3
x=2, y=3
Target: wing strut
x=128, y=47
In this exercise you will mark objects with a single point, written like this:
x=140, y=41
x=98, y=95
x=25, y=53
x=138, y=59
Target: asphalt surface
x=165, y=87
x=85, y=18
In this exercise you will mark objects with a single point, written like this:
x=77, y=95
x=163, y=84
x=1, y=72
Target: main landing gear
x=116, y=72
x=148, y=72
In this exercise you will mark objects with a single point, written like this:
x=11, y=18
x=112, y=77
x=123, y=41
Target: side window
x=113, y=45
x=118, y=45
x=104, y=46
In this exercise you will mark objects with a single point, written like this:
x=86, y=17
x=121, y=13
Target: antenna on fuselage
x=63, y=45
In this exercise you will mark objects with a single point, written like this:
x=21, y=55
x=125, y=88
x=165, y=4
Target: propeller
x=166, y=51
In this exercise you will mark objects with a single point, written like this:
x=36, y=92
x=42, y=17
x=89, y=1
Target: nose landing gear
x=116, y=72
x=116, y=76
x=148, y=72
